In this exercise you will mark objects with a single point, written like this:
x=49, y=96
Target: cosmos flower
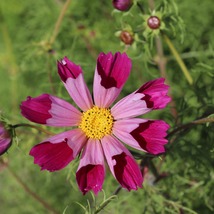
x=5, y=139
x=99, y=131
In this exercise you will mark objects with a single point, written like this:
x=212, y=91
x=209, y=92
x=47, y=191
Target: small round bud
x=126, y=37
x=153, y=22
x=122, y=5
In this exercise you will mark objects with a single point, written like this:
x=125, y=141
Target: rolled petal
x=130, y=106
x=150, y=136
x=91, y=172
x=5, y=140
x=122, y=164
x=50, y=110
x=155, y=92
x=111, y=74
x=72, y=77
x=58, y=151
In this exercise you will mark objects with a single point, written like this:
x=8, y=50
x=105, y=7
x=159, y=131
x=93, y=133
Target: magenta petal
x=36, y=109
x=113, y=69
x=5, y=140
x=90, y=177
x=151, y=136
x=155, y=92
x=127, y=172
x=67, y=69
x=52, y=157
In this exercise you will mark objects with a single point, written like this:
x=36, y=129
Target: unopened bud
x=153, y=22
x=122, y=5
x=126, y=37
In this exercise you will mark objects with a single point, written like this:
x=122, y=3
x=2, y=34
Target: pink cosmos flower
x=5, y=140
x=100, y=131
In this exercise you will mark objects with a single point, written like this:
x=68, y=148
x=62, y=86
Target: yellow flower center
x=97, y=122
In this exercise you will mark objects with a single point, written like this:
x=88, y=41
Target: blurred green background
x=28, y=54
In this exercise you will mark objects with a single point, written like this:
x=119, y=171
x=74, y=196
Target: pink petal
x=130, y=106
x=5, y=140
x=67, y=69
x=58, y=151
x=37, y=109
x=50, y=110
x=63, y=113
x=51, y=156
x=91, y=172
x=72, y=77
x=123, y=128
x=75, y=139
x=121, y=163
x=151, y=136
x=155, y=92
x=111, y=73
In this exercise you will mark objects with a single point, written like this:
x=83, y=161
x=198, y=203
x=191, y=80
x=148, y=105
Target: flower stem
x=59, y=21
x=188, y=125
x=105, y=203
x=32, y=126
x=178, y=59
x=31, y=193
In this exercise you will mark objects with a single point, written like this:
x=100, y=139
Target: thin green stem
x=32, y=126
x=59, y=21
x=105, y=203
x=31, y=193
x=188, y=125
x=178, y=59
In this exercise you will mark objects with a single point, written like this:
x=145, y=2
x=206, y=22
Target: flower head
x=122, y=5
x=99, y=129
x=5, y=139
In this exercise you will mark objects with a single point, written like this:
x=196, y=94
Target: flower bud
x=153, y=22
x=5, y=139
x=122, y=5
x=126, y=37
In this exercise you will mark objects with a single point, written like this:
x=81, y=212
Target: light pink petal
x=122, y=164
x=144, y=135
x=111, y=73
x=123, y=128
x=91, y=172
x=63, y=113
x=72, y=77
x=58, y=151
x=155, y=92
x=130, y=106
x=50, y=110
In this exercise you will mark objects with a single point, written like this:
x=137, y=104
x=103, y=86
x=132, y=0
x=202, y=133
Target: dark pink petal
x=51, y=156
x=111, y=74
x=37, y=109
x=91, y=172
x=67, y=69
x=155, y=92
x=127, y=172
x=72, y=77
x=5, y=140
x=151, y=136
x=90, y=177
x=121, y=163
x=122, y=5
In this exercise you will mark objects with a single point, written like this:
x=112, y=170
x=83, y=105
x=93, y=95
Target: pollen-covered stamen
x=97, y=122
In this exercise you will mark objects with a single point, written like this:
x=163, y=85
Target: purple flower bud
x=153, y=22
x=5, y=140
x=122, y=5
